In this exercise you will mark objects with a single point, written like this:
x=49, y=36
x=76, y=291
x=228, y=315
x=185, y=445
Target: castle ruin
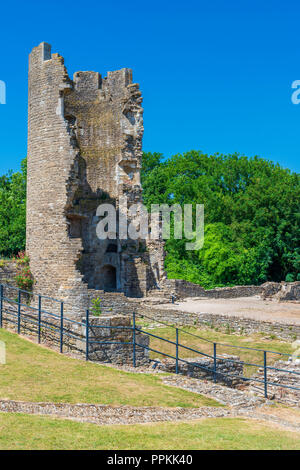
x=84, y=148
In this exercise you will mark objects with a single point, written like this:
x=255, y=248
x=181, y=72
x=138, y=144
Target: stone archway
x=109, y=277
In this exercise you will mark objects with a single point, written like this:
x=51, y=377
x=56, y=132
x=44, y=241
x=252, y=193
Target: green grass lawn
x=34, y=373
x=254, y=341
x=20, y=431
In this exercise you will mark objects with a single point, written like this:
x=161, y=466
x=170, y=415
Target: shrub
x=96, y=307
x=24, y=277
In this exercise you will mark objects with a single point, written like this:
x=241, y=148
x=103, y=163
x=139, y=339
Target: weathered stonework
x=8, y=272
x=282, y=379
x=112, y=331
x=241, y=325
x=84, y=148
x=228, y=368
x=110, y=338
x=289, y=291
x=282, y=291
x=181, y=289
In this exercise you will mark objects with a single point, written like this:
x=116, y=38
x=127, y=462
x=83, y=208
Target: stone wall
x=51, y=156
x=228, y=368
x=240, y=325
x=184, y=289
x=118, y=303
x=281, y=379
x=283, y=291
x=84, y=149
x=111, y=331
x=115, y=333
x=8, y=271
x=289, y=291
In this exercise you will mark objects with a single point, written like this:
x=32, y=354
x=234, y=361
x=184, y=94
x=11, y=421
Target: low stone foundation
x=241, y=325
x=281, y=378
x=289, y=291
x=203, y=368
x=115, y=332
x=184, y=289
x=73, y=339
x=283, y=291
x=116, y=335
x=8, y=271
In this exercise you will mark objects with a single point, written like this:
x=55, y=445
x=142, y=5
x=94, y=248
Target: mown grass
x=26, y=432
x=256, y=341
x=34, y=373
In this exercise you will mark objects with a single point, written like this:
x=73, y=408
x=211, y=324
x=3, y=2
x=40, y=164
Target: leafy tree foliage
x=252, y=216
x=13, y=212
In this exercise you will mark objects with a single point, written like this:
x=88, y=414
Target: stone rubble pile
x=280, y=378
x=200, y=367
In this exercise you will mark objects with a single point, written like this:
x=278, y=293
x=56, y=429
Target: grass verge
x=34, y=373
x=20, y=431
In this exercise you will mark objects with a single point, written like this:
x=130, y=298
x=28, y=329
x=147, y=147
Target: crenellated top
x=115, y=82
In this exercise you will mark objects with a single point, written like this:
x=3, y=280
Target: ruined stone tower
x=84, y=148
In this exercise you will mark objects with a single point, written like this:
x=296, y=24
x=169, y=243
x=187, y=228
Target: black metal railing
x=14, y=311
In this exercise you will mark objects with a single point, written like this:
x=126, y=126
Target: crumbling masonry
x=84, y=148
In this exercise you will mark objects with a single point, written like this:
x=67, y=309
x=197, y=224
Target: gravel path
x=244, y=307
x=116, y=415
x=105, y=414
x=225, y=395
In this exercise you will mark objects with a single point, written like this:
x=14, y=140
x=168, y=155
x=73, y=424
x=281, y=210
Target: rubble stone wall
x=183, y=289
x=84, y=150
x=115, y=333
x=240, y=325
x=8, y=271
x=228, y=368
x=281, y=379
x=283, y=291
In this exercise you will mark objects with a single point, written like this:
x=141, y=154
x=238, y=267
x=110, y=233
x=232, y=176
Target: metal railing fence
x=14, y=310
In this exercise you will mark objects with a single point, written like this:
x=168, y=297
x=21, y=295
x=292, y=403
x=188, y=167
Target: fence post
x=87, y=327
x=61, y=326
x=133, y=340
x=177, y=351
x=19, y=311
x=265, y=374
x=1, y=305
x=39, y=319
x=215, y=362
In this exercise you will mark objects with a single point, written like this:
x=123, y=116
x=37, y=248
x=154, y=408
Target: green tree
x=252, y=218
x=13, y=211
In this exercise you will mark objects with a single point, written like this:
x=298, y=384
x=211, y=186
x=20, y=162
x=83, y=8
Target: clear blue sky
x=216, y=75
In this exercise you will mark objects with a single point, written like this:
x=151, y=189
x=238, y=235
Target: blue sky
x=215, y=75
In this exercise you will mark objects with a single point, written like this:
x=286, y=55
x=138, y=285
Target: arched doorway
x=109, y=276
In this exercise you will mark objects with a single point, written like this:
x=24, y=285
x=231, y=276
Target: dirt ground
x=247, y=307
